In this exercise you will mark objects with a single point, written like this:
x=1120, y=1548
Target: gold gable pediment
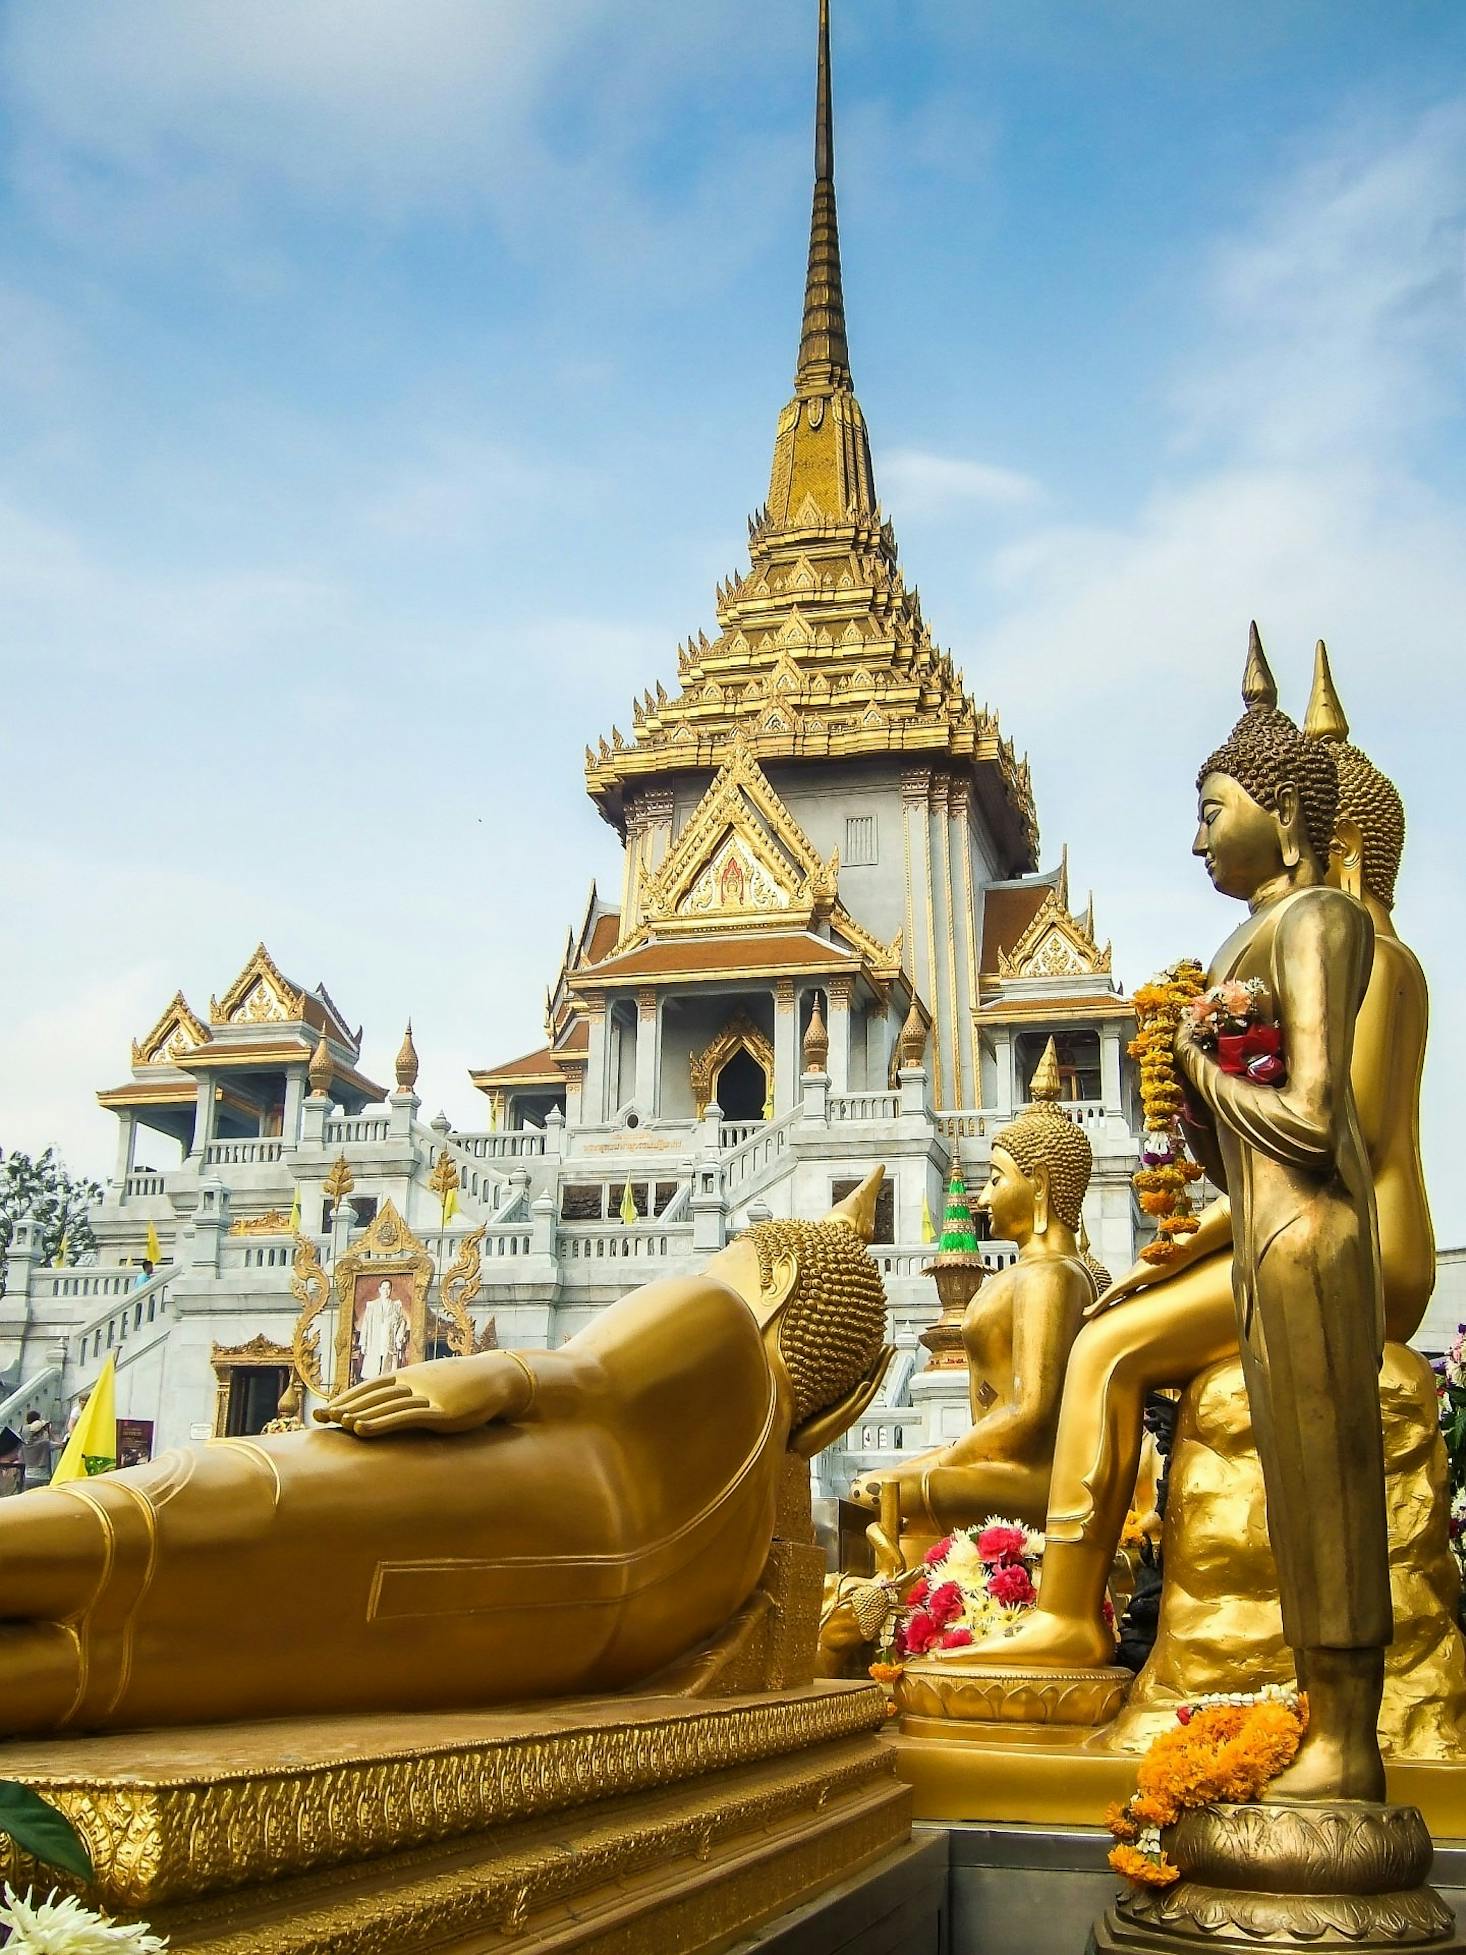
x=260, y=995
x=178, y=1030
x=742, y=854
x=1054, y=945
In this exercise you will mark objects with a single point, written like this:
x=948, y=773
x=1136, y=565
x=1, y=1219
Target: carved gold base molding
x=1327, y=1877
x=934, y=1690
x=610, y=1826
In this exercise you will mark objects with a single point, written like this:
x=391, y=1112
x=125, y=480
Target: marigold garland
x=1165, y=1172
x=1220, y=1751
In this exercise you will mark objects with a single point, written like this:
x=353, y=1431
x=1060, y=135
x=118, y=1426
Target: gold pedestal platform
x=1062, y=1775
x=607, y=1824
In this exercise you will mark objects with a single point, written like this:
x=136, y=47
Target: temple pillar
x=596, y=1063
x=648, y=1052
x=786, y=1047
x=204, y=1116
x=402, y=1110
x=126, y=1151
x=1110, y=1069
x=295, y=1084
x=1003, y=1052
x=210, y=1226
x=313, y=1120
x=839, y=992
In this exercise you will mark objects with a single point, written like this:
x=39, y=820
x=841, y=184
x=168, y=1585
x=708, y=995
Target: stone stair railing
x=754, y=1162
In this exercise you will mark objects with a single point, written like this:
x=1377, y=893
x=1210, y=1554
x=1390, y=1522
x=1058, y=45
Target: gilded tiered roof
x=822, y=651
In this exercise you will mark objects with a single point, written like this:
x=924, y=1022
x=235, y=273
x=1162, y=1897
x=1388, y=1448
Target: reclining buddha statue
x=1017, y=1332
x=511, y=1525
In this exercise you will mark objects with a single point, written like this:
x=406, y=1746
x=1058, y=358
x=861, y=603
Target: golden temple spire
x=1325, y=719
x=824, y=356
x=1259, y=687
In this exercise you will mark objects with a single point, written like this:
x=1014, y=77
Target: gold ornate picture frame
x=381, y=1286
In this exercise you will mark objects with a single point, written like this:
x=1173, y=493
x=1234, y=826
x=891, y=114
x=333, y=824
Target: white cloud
x=921, y=483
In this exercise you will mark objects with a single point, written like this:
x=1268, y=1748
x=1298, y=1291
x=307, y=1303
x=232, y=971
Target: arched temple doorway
x=742, y=1087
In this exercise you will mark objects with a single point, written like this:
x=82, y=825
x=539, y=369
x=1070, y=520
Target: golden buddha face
x=1242, y=843
x=1010, y=1198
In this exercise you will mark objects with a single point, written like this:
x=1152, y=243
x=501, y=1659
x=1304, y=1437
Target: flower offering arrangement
x=979, y=1581
x=1234, y=1022
x=1166, y=1170
x=1222, y=1750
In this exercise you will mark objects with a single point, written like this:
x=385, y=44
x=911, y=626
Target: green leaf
x=38, y=1829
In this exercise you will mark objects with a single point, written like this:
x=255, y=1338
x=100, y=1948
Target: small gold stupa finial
x=406, y=1062
x=816, y=1039
x=858, y=1209
x=911, y=1039
x=1325, y=719
x=1046, y=1084
x=321, y=1072
x=1259, y=687
x=340, y=1181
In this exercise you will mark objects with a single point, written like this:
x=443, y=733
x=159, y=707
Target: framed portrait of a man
x=381, y=1301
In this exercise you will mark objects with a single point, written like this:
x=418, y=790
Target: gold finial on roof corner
x=1325, y=719
x=1046, y=1084
x=858, y=1209
x=1259, y=687
x=321, y=1071
x=407, y=1062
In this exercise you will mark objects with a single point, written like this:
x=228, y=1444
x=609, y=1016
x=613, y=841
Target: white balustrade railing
x=881, y=1436
x=899, y=1260
x=141, y=1304
x=498, y=1243
x=249, y=1152
x=625, y=1243
x=733, y=1133
x=89, y=1280
x=980, y=1122
x=263, y=1253
x=514, y=1144
x=864, y=1106
x=142, y=1181
x=344, y=1129
x=756, y=1156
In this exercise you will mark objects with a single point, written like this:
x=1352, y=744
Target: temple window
x=860, y=842
x=1078, y=1054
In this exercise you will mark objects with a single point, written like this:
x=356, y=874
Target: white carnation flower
x=65, y=1927
x=961, y=1558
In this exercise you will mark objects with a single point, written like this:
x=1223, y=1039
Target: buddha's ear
x=1292, y=833
x=776, y=1289
x=1347, y=856
x=827, y=1426
x=1040, y=1179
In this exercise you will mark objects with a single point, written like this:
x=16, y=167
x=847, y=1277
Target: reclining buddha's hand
x=443, y=1395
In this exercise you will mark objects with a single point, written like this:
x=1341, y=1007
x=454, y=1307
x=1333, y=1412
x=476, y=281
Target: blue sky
x=385, y=388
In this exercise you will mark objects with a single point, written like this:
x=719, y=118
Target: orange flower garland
x=1165, y=1172
x=1220, y=1751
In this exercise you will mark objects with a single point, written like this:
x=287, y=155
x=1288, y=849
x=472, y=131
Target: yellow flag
x=92, y=1447
x=450, y=1205
x=153, y=1252
x=928, y=1226
x=62, y=1257
x=295, y=1212
x=628, y=1204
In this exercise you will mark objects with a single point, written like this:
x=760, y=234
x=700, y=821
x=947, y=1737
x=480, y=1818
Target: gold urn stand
x=1327, y=1876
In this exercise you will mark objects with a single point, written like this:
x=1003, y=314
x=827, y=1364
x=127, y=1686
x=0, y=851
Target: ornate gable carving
x=741, y=854
x=178, y=1030
x=1055, y=945
x=260, y=995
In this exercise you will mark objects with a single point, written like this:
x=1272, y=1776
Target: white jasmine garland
x=58, y=1926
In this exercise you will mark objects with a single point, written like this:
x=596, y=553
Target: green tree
x=57, y=1201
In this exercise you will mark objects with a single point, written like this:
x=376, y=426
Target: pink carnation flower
x=1002, y=1543
x=955, y=1639
x=944, y=1604
x=918, y=1592
x=921, y=1633
x=938, y=1553
x=1011, y=1586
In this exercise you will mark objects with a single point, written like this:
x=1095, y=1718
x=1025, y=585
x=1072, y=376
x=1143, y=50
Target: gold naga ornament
x=404, y=1559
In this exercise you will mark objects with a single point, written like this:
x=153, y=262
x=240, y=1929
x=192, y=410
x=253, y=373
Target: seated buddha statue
x=1017, y=1332
x=1163, y=1324
x=511, y=1525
